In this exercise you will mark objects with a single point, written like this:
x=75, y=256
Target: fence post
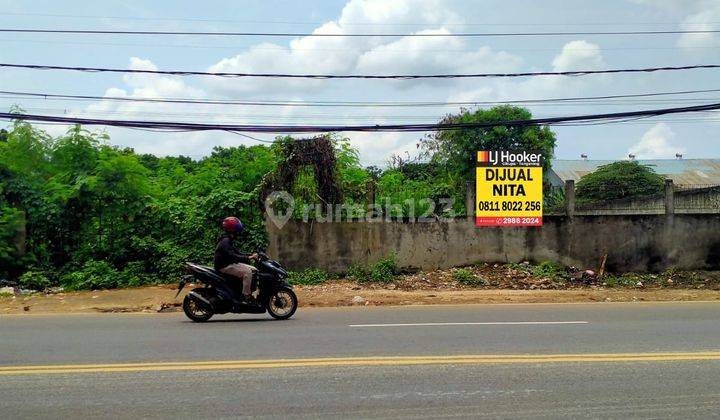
x=570, y=197
x=669, y=197
x=470, y=199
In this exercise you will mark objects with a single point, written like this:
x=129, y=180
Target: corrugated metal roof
x=700, y=172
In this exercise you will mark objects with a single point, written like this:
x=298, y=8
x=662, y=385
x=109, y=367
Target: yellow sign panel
x=509, y=189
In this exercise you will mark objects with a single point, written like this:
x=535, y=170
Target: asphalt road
x=609, y=360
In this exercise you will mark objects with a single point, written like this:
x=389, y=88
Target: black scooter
x=221, y=292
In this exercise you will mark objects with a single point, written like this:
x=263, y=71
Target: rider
x=229, y=261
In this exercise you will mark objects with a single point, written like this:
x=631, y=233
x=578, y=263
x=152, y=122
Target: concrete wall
x=632, y=242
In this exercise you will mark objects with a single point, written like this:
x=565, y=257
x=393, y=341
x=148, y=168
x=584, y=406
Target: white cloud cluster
x=656, y=143
x=333, y=55
x=434, y=55
x=705, y=19
x=378, y=55
x=574, y=55
x=579, y=55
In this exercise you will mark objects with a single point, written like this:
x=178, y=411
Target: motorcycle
x=221, y=291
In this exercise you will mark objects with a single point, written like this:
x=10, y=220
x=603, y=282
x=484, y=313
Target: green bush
x=549, y=269
x=384, y=269
x=467, y=277
x=357, y=272
x=134, y=275
x=625, y=280
x=93, y=275
x=35, y=280
x=307, y=276
x=618, y=180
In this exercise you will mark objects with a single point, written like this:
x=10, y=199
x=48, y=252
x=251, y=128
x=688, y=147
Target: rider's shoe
x=250, y=301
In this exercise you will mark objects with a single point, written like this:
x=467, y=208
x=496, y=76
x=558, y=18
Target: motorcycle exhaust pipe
x=199, y=297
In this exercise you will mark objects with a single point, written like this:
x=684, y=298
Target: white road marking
x=442, y=324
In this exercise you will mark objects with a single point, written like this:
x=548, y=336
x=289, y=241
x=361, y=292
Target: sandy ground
x=338, y=293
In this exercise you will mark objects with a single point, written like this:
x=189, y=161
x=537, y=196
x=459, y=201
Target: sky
x=695, y=136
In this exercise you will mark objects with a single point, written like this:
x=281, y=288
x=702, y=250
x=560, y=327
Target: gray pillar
x=470, y=199
x=669, y=197
x=570, y=197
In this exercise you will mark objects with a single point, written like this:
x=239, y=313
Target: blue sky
x=695, y=136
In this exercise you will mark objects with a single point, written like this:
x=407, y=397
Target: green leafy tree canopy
x=458, y=148
x=618, y=180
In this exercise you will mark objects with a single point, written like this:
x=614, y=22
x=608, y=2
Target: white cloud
x=579, y=55
x=434, y=55
x=574, y=55
x=376, y=148
x=316, y=55
x=384, y=55
x=144, y=86
x=335, y=55
x=398, y=12
x=704, y=20
x=656, y=144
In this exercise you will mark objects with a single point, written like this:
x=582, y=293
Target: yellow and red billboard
x=509, y=188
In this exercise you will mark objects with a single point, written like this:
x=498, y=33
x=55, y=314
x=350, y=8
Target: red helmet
x=232, y=225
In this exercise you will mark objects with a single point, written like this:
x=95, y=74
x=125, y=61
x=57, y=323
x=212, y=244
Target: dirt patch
x=482, y=283
x=341, y=293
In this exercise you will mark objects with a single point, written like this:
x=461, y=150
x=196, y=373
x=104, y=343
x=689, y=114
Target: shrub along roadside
x=466, y=277
x=384, y=270
x=308, y=276
x=35, y=280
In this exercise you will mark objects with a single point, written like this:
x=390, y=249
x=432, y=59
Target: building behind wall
x=685, y=173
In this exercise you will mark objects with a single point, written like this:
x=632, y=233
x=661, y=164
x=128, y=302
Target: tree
x=618, y=180
x=458, y=148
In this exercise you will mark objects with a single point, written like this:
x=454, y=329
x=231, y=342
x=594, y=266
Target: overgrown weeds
x=384, y=270
x=466, y=277
x=308, y=276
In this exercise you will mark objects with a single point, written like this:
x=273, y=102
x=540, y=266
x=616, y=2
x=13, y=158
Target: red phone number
x=508, y=221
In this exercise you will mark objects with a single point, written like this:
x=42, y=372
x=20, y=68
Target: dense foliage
x=457, y=149
x=97, y=216
x=77, y=212
x=618, y=180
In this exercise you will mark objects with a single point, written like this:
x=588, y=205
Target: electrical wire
x=354, y=35
x=286, y=22
x=384, y=51
x=359, y=76
x=356, y=128
x=411, y=104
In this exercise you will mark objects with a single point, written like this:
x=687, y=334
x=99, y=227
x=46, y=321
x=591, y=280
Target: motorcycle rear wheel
x=196, y=311
x=282, y=304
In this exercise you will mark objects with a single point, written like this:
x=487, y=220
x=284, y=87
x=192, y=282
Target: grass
x=468, y=278
x=549, y=269
x=308, y=276
x=384, y=270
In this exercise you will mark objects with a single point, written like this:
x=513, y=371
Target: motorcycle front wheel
x=196, y=311
x=282, y=304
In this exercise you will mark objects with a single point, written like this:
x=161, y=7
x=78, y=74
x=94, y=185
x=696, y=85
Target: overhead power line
x=359, y=104
x=359, y=76
x=241, y=128
x=353, y=35
x=296, y=22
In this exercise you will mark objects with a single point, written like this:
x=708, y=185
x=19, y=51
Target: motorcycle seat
x=211, y=272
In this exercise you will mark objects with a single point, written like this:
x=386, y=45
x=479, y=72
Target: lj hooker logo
x=509, y=188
